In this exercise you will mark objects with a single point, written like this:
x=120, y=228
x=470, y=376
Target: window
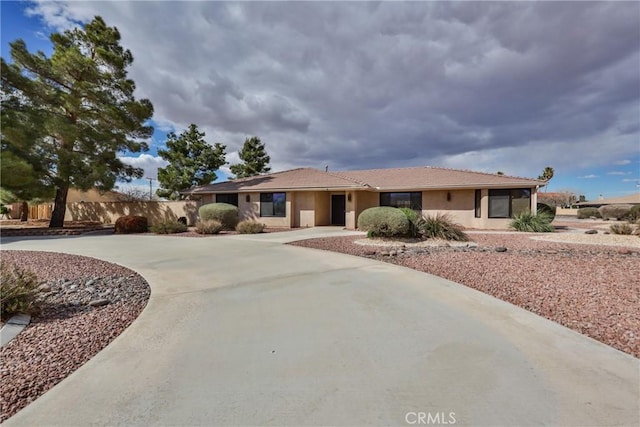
x=273, y=204
x=509, y=202
x=402, y=200
x=478, y=211
x=232, y=198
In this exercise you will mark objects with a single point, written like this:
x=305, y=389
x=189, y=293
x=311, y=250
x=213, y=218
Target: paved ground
x=242, y=330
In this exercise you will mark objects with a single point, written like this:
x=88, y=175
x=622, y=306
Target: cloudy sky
x=509, y=86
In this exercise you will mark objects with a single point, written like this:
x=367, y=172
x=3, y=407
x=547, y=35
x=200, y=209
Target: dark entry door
x=337, y=209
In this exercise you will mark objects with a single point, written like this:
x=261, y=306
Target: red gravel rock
x=68, y=332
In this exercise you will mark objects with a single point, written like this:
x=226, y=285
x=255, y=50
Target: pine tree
x=192, y=161
x=254, y=159
x=83, y=106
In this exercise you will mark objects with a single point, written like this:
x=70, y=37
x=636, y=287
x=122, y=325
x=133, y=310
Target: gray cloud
x=490, y=86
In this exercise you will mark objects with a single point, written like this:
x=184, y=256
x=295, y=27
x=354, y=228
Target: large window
x=508, y=203
x=273, y=204
x=402, y=200
x=478, y=203
x=231, y=198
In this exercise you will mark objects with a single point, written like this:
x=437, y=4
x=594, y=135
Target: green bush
x=131, y=224
x=440, y=226
x=384, y=221
x=18, y=291
x=209, y=226
x=547, y=210
x=618, y=212
x=168, y=226
x=250, y=227
x=225, y=213
x=413, y=217
x=584, y=213
x=526, y=221
x=624, y=228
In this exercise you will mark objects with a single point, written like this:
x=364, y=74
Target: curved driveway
x=244, y=330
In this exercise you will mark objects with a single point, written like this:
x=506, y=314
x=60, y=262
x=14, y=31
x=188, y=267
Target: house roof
x=371, y=179
x=631, y=199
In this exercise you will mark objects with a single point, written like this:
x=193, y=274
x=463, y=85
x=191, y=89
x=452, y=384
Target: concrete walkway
x=246, y=331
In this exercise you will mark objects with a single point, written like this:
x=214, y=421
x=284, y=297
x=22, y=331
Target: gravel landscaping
x=593, y=289
x=90, y=302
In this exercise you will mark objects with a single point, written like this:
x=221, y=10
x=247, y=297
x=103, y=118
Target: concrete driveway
x=247, y=331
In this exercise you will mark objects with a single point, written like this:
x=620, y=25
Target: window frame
x=272, y=197
x=478, y=204
x=226, y=195
x=386, y=198
x=512, y=194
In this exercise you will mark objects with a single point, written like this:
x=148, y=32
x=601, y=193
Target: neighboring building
x=309, y=197
x=631, y=199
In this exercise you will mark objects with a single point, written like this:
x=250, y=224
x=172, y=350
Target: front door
x=337, y=209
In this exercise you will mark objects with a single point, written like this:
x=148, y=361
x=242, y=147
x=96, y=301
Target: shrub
x=225, y=213
x=18, y=291
x=413, y=218
x=634, y=213
x=623, y=228
x=526, y=221
x=547, y=210
x=618, y=212
x=584, y=213
x=250, y=227
x=441, y=226
x=384, y=221
x=209, y=226
x=131, y=224
x=169, y=226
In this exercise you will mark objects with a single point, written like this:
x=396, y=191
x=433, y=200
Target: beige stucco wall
x=109, y=212
x=304, y=209
x=460, y=207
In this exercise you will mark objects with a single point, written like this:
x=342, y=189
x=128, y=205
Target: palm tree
x=546, y=176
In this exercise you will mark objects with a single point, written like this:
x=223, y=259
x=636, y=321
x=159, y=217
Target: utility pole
x=150, y=189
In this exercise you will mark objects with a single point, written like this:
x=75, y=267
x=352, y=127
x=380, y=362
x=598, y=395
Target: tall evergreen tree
x=83, y=105
x=192, y=161
x=254, y=159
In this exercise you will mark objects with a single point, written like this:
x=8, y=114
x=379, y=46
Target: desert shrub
x=526, y=221
x=618, y=212
x=131, y=224
x=250, y=227
x=18, y=291
x=623, y=228
x=634, y=213
x=224, y=212
x=168, y=226
x=383, y=221
x=584, y=213
x=209, y=226
x=414, y=218
x=547, y=210
x=441, y=226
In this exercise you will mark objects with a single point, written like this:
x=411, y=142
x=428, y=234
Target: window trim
x=411, y=194
x=478, y=204
x=512, y=193
x=273, y=211
x=224, y=195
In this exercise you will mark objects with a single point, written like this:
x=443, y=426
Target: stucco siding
x=304, y=203
x=458, y=204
